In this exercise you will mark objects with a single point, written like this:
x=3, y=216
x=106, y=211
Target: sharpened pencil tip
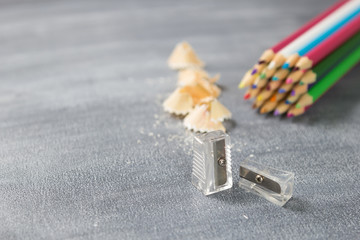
x=289, y=81
x=262, y=76
x=289, y=115
x=277, y=112
x=259, y=98
x=296, y=68
x=298, y=106
x=281, y=90
x=263, y=110
x=285, y=65
x=254, y=71
x=254, y=86
x=293, y=93
x=247, y=96
x=271, y=65
x=241, y=85
x=268, y=88
x=287, y=102
x=275, y=78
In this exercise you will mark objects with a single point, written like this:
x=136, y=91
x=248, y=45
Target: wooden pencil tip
x=286, y=65
x=271, y=65
x=247, y=96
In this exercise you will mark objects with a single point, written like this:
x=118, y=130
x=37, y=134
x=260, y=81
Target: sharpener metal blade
x=260, y=180
x=220, y=162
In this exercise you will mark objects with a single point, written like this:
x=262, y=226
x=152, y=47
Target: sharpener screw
x=222, y=162
x=259, y=178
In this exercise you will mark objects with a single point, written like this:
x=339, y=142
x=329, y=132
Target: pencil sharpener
x=211, y=170
x=272, y=184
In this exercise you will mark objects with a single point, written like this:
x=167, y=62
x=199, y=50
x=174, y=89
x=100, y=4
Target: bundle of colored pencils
x=289, y=77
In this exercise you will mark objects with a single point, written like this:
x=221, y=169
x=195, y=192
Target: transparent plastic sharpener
x=211, y=170
x=272, y=184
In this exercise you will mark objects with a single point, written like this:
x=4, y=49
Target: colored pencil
x=285, y=88
x=310, y=77
x=264, y=94
x=312, y=37
x=333, y=42
x=317, y=33
x=281, y=108
x=251, y=93
x=293, y=112
x=268, y=107
x=324, y=66
x=257, y=104
x=318, y=53
x=323, y=49
x=268, y=54
x=263, y=78
x=329, y=80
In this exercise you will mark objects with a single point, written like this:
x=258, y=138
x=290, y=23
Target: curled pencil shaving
x=198, y=92
x=191, y=76
x=184, y=56
x=218, y=112
x=199, y=120
x=179, y=103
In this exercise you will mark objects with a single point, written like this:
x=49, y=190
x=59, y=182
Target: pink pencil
x=269, y=53
x=314, y=56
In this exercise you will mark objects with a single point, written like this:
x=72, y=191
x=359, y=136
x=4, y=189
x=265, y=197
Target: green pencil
x=329, y=80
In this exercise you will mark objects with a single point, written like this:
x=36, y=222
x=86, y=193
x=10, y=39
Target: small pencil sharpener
x=211, y=170
x=272, y=184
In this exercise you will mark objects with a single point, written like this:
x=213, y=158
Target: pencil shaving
x=208, y=125
x=199, y=120
x=179, y=103
x=197, y=92
x=191, y=76
x=198, y=79
x=184, y=56
x=192, y=121
x=218, y=112
x=211, y=88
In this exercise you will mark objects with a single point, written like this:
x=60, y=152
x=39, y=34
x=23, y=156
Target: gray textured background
x=87, y=152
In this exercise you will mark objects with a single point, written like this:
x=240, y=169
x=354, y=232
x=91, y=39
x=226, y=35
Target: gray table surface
x=88, y=153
